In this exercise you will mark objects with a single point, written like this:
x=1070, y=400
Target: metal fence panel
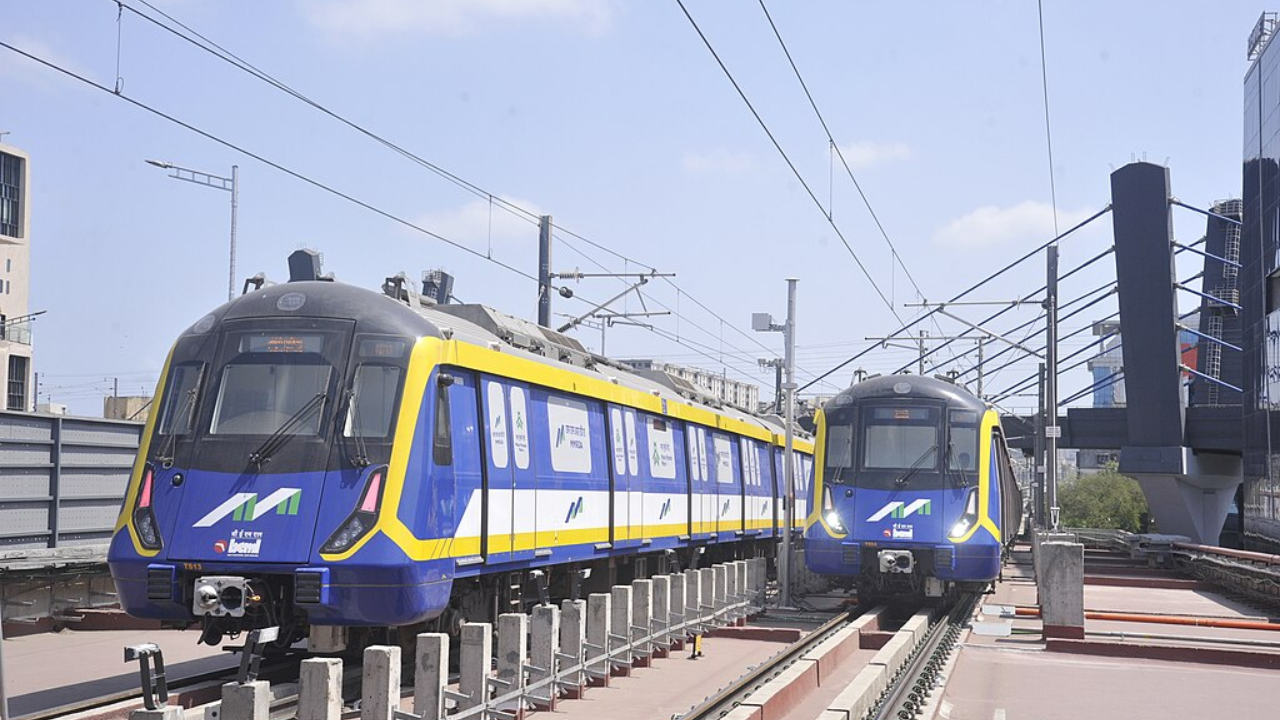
x=62, y=479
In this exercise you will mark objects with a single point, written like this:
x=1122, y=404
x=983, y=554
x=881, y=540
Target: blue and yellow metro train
x=326, y=457
x=915, y=494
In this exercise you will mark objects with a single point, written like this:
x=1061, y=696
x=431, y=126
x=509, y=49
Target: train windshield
x=900, y=446
x=962, y=446
x=276, y=379
x=900, y=438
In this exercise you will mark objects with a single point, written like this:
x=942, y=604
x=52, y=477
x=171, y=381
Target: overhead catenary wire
x=786, y=158
x=1010, y=307
x=292, y=173
x=840, y=154
x=963, y=293
x=268, y=162
x=1048, y=131
x=206, y=44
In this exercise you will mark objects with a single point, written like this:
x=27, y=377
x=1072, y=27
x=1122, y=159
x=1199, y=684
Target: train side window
x=691, y=455
x=442, y=440
x=724, y=459
x=662, y=450
x=619, y=443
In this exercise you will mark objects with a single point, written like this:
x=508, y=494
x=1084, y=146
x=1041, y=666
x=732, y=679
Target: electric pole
x=544, y=271
x=789, y=387
x=763, y=322
x=1051, y=429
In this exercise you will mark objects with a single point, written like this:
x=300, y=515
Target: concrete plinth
x=661, y=616
x=380, y=683
x=474, y=664
x=573, y=635
x=513, y=646
x=320, y=689
x=250, y=701
x=621, y=630
x=675, y=638
x=430, y=675
x=641, y=621
x=544, y=643
x=599, y=623
x=706, y=592
x=1061, y=588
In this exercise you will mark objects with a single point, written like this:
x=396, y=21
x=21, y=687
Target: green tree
x=1106, y=500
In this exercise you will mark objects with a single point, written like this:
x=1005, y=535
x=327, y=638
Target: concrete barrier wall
x=555, y=653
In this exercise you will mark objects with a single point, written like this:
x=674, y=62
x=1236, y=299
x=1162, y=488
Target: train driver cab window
x=962, y=446
x=178, y=411
x=372, y=404
x=898, y=437
x=839, y=462
x=274, y=381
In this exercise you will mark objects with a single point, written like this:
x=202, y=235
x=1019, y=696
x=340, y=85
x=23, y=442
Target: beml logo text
x=249, y=548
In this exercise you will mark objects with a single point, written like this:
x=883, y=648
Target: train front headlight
x=968, y=519
x=361, y=520
x=829, y=513
x=144, y=517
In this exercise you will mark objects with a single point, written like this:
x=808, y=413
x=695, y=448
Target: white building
x=16, y=364
x=732, y=392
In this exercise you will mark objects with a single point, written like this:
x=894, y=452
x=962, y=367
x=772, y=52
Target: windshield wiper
x=164, y=452
x=951, y=455
x=915, y=466
x=286, y=430
x=361, y=458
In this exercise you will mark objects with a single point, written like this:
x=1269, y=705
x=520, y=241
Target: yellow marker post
x=696, y=651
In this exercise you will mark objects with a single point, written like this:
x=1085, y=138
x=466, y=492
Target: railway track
x=913, y=660
x=909, y=693
x=125, y=700
x=729, y=697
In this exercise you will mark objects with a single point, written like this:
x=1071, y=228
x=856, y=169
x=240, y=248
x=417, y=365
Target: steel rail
x=128, y=695
x=910, y=688
x=726, y=698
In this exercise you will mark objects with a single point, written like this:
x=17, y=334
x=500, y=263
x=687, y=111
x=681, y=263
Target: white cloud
x=366, y=19
x=479, y=225
x=1029, y=222
x=722, y=161
x=29, y=72
x=865, y=153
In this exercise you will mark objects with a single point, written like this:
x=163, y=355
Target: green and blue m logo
x=246, y=507
x=575, y=509
x=899, y=509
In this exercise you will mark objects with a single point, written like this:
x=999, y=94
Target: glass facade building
x=1260, y=290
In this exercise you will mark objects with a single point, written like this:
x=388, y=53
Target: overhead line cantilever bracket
x=641, y=280
x=942, y=310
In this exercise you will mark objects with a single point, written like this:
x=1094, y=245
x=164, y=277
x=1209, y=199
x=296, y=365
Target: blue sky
x=614, y=118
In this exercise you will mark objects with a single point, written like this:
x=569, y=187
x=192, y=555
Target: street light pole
x=763, y=322
x=235, y=204
x=217, y=182
x=789, y=357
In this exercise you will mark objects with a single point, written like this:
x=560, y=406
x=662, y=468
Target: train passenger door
x=753, y=508
x=728, y=511
x=769, y=489
x=780, y=490
x=697, y=482
x=499, y=495
x=622, y=472
x=526, y=498
x=635, y=487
